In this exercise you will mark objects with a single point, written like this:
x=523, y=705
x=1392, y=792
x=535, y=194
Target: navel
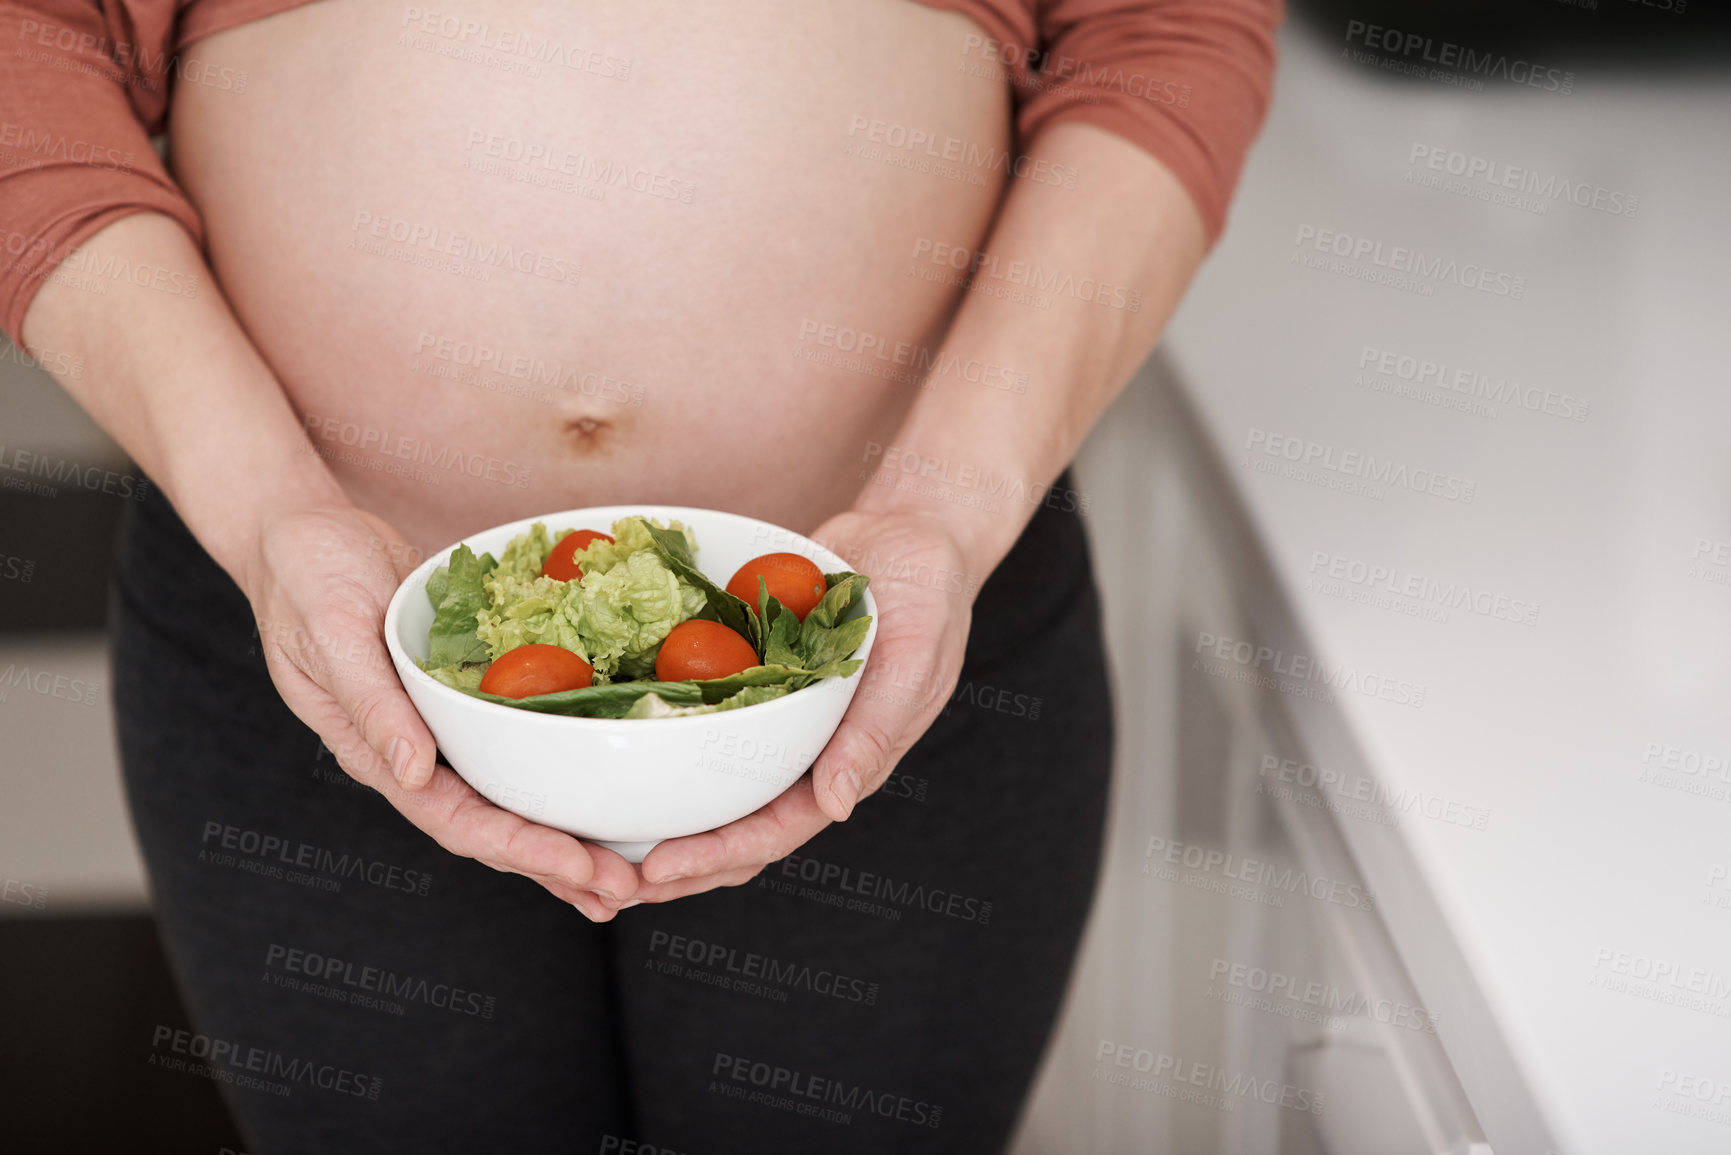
x=588, y=434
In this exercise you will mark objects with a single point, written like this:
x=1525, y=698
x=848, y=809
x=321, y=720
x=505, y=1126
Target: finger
x=605, y=890
x=613, y=880
x=611, y=873
x=363, y=764
x=773, y=831
x=388, y=722
x=593, y=868
x=881, y=723
x=686, y=887
x=464, y=823
x=562, y=890
x=593, y=909
x=347, y=659
x=335, y=729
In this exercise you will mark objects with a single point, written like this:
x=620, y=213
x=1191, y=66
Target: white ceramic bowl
x=627, y=783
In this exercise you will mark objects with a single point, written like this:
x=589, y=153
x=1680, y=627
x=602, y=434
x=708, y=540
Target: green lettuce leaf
x=438, y=583
x=630, y=534
x=452, y=638
x=624, y=614
x=527, y=553
x=615, y=616
x=465, y=677
x=527, y=611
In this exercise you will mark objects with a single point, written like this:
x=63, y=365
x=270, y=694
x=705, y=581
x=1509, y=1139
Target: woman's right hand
x=319, y=580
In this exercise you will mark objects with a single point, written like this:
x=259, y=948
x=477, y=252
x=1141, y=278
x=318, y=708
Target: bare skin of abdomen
x=644, y=318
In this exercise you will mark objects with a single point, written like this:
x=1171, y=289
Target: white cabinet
x=1238, y=992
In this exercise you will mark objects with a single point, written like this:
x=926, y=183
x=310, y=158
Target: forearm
x=175, y=380
x=1129, y=224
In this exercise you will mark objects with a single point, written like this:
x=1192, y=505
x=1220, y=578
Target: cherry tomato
x=699, y=649
x=538, y=669
x=793, y=580
x=559, y=563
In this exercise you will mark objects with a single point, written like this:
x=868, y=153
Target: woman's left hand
x=924, y=600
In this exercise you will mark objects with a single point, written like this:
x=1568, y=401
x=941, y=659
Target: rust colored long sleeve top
x=84, y=84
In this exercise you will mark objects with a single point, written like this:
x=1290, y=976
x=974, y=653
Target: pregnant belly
x=527, y=256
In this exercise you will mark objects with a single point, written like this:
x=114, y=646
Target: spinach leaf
x=715, y=689
x=768, y=608
x=782, y=647
x=617, y=699
x=451, y=640
x=844, y=590
x=728, y=610
x=610, y=701
x=840, y=668
x=821, y=646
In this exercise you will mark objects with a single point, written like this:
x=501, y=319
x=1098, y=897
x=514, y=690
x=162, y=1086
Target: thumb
x=369, y=692
x=880, y=724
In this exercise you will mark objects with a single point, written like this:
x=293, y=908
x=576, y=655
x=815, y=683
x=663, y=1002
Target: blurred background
x=1422, y=790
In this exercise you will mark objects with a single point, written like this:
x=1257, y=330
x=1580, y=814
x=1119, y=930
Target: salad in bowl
x=584, y=670
x=624, y=625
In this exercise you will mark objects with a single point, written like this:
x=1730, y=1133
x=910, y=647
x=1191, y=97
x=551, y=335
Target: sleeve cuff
x=33, y=250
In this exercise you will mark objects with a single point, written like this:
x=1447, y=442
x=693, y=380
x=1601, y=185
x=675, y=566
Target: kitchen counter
x=1480, y=432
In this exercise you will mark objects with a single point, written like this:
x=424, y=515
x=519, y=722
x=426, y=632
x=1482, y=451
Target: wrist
x=232, y=522
x=982, y=525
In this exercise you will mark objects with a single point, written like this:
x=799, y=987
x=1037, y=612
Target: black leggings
x=890, y=986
